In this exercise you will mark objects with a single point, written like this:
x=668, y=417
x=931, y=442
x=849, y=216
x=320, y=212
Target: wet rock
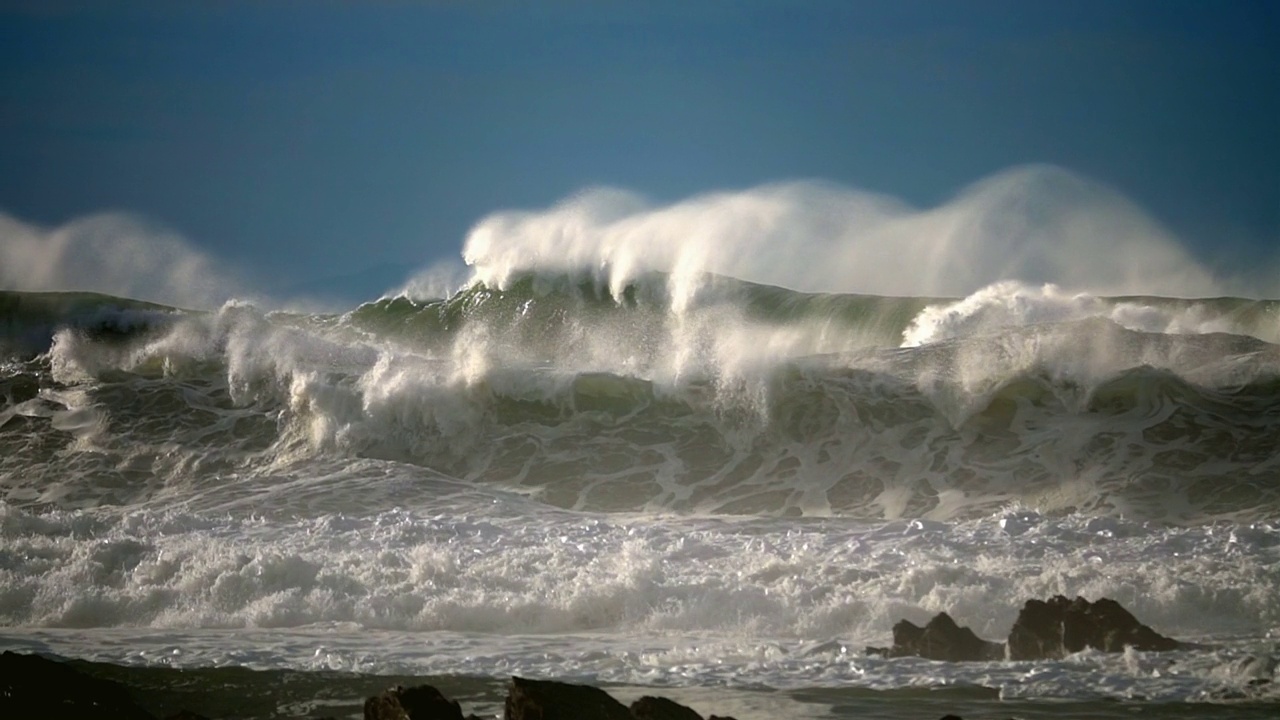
x=1058, y=627
x=660, y=708
x=36, y=687
x=551, y=700
x=941, y=639
x=422, y=702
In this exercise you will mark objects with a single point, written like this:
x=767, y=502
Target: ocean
x=681, y=484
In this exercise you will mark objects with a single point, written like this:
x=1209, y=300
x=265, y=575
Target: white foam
x=498, y=589
x=575, y=573
x=1014, y=304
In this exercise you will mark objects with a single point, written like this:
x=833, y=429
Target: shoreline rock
x=421, y=702
x=34, y=686
x=552, y=700
x=37, y=687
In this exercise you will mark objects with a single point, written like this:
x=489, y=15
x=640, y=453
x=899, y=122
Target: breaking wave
x=745, y=399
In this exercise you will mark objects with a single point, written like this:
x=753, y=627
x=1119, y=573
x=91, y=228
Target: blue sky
x=310, y=139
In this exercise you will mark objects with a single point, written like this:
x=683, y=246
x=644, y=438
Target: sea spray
x=1035, y=224
x=596, y=402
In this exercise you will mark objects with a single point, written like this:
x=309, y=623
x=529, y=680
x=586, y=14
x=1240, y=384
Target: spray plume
x=1036, y=224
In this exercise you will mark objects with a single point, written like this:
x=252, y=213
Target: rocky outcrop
x=1045, y=629
x=942, y=639
x=1058, y=627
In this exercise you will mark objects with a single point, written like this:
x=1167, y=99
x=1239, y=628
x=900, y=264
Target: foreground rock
x=422, y=702
x=1058, y=627
x=36, y=687
x=942, y=639
x=551, y=700
x=660, y=708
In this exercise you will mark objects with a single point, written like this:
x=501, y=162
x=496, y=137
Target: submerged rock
x=421, y=702
x=942, y=639
x=551, y=700
x=1058, y=627
x=660, y=708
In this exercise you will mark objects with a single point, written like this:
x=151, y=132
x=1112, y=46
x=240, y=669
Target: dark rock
x=422, y=702
x=36, y=687
x=942, y=639
x=551, y=700
x=186, y=715
x=1058, y=627
x=660, y=708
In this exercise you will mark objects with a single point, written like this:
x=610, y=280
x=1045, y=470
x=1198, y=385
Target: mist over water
x=115, y=254
x=1036, y=224
x=1033, y=224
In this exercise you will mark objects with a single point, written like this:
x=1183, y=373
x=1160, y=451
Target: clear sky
x=311, y=139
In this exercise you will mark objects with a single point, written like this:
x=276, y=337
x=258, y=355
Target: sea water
x=549, y=480
x=633, y=469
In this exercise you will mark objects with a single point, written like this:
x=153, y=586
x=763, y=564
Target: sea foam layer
x=572, y=572
x=638, y=600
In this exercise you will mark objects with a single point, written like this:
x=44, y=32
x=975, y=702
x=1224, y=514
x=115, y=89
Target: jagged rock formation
x=1058, y=627
x=942, y=639
x=1045, y=630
